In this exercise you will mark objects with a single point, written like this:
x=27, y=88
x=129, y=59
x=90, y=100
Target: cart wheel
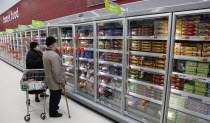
x=28, y=102
x=27, y=118
x=43, y=116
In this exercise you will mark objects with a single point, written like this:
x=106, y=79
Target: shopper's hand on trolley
x=62, y=85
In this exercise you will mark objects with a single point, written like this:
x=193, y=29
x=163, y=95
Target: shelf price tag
x=128, y=81
x=128, y=67
x=202, y=80
x=206, y=101
x=76, y=38
x=153, y=37
x=204, y=37
x=162, y=56
x=185, y=37
x=129, y=37
x=140, y=69
x=203, y=59
x=174, y=75
x=128, y=52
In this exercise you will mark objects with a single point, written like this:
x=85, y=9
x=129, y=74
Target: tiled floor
x=13, y=107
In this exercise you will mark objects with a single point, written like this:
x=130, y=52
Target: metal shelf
x=70, y=84
x=148, y=69
x=160, y=55
x=148, y=37
x=85, y=37
x=66, y=38
x=86, y=59
x=192, y=58
x=85, y=69
x=110, y=75
x=193, y=38
x=69, y=74
x=187, y=94
x=110, y=37
x=68, y=65
x=109, y=103
x=146, y=84
x=191, y=77
x=68, y=56
x=144, y=97
x=112, y=87
x=110, y=63
x=86, y=79
x=91, y=49
x=139, y=113
x=110, y=51
x=190, y=112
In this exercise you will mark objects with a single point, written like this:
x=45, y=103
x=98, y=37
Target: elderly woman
x=34, y=61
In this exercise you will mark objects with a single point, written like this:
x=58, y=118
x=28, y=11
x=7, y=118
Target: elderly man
x=54, y=75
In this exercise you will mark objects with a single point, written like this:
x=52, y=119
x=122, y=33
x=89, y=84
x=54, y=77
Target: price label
x=206, y=101
x=182, y=76
x=102, y=102
x=115, y=78
x=162, y=56
x=115, y=65
x=202, y=80
x=174, y=75
x=129, y=37
x=203, y=59
x=204, y=37
x=126, y=112
x=185, y=96
x=185, y=37
x=140, y=69
x=110, y=105
x=153, y=37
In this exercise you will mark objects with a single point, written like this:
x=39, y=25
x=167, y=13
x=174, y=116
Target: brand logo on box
x=11, y=16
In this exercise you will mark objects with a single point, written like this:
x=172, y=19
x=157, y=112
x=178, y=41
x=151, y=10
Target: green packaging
x=192, y=69
x=200, y=84
x=188, y=86
x=200, y=89
x=200, y=93
x=202, y=70
x=190, y=72
x=203, y=65
x=191, y=63
x=101, y=44
x=188, y=90
x=202, y=74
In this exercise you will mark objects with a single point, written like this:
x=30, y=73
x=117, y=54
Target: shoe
x=37, y=99
x=57, y=115
x=42, y=95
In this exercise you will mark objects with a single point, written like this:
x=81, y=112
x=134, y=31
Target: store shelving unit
x=84, y=59
x=189, y=46
x=147, y=56
x=110, y=46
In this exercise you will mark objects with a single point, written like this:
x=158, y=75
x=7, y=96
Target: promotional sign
x=23, y=27
x=10, y=30
x=37, y=23
x=95, y=2
x=112, y=8
x=1, y=33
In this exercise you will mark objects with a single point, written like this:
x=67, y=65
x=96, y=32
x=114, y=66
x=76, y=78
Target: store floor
x=13, y=107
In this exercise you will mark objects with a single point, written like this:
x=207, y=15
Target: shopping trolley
x=33, y=81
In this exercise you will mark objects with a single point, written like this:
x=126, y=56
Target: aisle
x=13, y=108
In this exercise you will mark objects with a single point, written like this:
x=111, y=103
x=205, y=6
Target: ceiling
x=7, y=4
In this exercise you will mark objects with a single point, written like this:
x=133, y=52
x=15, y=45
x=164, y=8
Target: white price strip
x=184, y=96
x=115, y=78
x=183, y=77
x=115, y=65
x=206, y=101
x=202, y=80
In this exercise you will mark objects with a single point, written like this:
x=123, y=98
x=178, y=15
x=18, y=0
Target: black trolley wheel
x=28, y=102
x=43, y=116
x=27, y=118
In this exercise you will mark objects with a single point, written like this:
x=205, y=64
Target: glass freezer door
x=148, y=39
x=84, y=40
x=42, y=39
x=67, y=48
x=189, y=75
x=109, y=63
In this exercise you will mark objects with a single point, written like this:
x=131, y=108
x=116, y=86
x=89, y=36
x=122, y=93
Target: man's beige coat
x=53, y=67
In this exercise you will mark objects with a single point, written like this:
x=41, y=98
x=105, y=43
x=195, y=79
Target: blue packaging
x=109, y=32
x=82, y=54
x=118, y=32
